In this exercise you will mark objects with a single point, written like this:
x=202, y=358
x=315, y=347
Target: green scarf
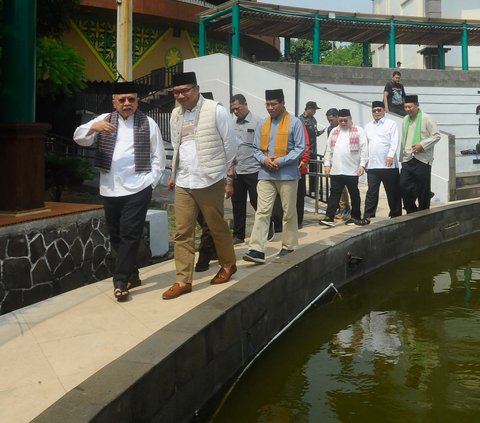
x=417, y=135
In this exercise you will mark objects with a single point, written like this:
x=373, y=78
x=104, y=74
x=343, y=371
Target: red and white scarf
x=353, y=135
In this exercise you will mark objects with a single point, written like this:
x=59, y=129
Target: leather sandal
x=121, y=292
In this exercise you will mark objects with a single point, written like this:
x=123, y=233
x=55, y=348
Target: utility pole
x=124, y=40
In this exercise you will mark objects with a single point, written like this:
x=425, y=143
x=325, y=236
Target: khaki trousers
x=210, y=201
x=266, y=194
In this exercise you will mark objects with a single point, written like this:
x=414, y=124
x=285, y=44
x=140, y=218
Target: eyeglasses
x=183, y=91
x=377, y=110
x=124, y=99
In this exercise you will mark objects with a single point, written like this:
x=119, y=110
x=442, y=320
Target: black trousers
x=207, y=246
x=415, y=184
x=301, y=192
x=125, y=217
x=243, y=184
x=337, y=183
x=391, y=182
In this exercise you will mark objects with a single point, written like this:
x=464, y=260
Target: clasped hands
x=271, y=163
x=417, y=148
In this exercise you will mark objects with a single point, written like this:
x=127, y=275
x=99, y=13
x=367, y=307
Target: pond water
x=400, y=345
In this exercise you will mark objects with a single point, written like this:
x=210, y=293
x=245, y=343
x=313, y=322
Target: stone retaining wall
x=44, y=258
x=376, y=76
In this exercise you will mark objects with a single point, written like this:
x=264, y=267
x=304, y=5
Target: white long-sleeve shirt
x=341, y=159
x=383, y=141
x=122, y=179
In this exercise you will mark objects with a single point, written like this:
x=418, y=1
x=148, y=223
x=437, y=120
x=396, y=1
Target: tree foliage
x=345, y=55
x=302, y=50
x=53, y=16
x=60, y=70
x=349, y=55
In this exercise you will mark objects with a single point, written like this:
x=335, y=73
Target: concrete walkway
x=50, y=347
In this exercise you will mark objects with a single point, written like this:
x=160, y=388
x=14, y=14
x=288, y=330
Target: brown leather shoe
x=176, y=290
x=224, y=275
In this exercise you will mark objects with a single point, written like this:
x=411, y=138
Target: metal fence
x=318, y=183
x=66, y=147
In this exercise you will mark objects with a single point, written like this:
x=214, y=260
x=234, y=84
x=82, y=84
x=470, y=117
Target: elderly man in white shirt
x=383, y=141
x=345, y=159
x=131, y=159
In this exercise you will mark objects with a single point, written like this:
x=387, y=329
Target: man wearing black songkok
x=345, y=159
x=204, y=147
x=131, y=159
x=383, y=137
x=419, y=136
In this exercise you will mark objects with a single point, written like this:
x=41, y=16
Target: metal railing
x=319, y=183
x=163, y=122
x=158, y=79
x=66, y=147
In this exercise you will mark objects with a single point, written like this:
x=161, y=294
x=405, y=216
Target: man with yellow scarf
x=420, y=134
x=279, y=144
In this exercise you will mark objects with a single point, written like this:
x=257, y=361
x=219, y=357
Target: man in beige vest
x=204, y=147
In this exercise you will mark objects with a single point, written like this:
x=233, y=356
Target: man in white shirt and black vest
x=131, y=159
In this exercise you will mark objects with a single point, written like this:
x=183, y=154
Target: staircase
x=468, y=185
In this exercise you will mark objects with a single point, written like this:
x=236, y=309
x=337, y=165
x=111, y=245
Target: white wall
x=408, y=54
x=252, y=81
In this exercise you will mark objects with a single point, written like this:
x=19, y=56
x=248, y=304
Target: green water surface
x=401, y=345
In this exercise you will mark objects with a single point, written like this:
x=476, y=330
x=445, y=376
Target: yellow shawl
x=281, y=138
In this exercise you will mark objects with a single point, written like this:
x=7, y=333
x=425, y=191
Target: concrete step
x=468, y=192
x=467, y=179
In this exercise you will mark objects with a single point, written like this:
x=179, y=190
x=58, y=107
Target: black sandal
x=133, y=284
x=121, y=292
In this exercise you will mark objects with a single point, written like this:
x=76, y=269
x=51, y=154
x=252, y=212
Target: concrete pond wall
x=172, y=375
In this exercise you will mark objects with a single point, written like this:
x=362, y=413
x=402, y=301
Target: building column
x=464, y=48
x=236, y=30
x=316, y=41
x=366, y=54
x=22, y=142
x=392, y=60
x=124, y=40
x=287, y=47
x=18, y=61
x=441, y=57
x=202, y=38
